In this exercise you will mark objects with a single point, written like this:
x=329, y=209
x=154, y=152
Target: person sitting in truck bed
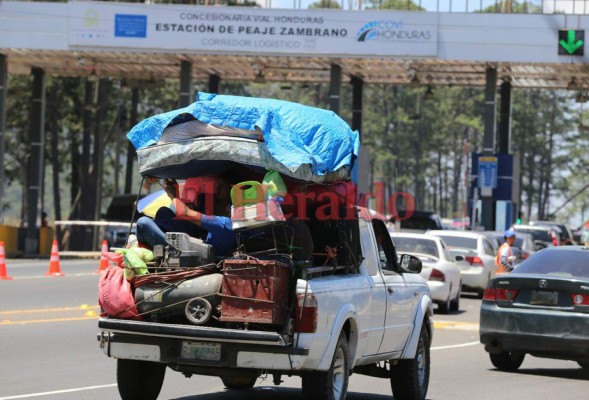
x=218, y=227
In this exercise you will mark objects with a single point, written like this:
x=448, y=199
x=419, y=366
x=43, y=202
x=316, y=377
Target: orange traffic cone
x=3, y=275
x=54, y=267
x=103, y=260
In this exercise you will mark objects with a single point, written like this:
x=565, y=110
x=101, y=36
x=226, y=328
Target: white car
x=476, y=249
x=439, y=269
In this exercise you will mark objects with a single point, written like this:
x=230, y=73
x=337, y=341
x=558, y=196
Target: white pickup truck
x=372, y=317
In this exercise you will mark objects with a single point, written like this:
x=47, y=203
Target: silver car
x=438, y=267
x=477, y=251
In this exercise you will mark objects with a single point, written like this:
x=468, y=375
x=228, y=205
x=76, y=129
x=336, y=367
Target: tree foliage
x=325, y=4
x=417, y=146
x=406, y=5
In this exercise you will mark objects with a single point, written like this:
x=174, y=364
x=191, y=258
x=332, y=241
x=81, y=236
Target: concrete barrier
x=9, y=235
x=45, y=241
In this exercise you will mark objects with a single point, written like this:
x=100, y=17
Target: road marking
x=45, y=276
x=456, y=325
x=44, y=310
x=25, y=396
x=44, y=321
x=463, y=326
x=452, y=346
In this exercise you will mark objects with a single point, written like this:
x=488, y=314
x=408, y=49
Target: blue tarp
x=294, y=134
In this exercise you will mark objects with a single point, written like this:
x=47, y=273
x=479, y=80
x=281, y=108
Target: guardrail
x=93, y=232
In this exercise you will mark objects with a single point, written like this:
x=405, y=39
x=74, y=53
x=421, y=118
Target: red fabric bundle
x=115, y=296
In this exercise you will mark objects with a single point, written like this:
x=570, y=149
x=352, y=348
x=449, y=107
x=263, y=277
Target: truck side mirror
x=409, y=263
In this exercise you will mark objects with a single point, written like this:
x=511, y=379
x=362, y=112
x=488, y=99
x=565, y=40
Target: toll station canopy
x=150, y=41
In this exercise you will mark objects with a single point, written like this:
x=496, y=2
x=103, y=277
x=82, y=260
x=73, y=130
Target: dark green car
x=541, y=309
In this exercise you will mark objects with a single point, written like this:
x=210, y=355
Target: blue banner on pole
x=487, y=172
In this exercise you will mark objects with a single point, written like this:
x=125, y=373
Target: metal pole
x=357, y=104
x=130, y=147
x=214, y=83
x=364, y=158
x=3, y=89
x=335, y=84
x=117, y=138
x=475, y=200
x=35, y=161
x=98, y=145
x=87, y=121
x=489, y=142
x=505, y=119
x=489, y=111
x=185, y=83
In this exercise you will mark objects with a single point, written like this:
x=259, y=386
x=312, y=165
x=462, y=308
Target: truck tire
x=239, y=382
x=410, y=378
x=507, y=361
x=140, y=380
x=333, y=383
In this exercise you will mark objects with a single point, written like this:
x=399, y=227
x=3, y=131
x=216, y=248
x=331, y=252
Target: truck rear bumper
x=198, y=346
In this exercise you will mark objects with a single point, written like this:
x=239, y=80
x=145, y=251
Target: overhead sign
x=571, y=43
x=487, y=173
x=130, y=25
x=251, y=30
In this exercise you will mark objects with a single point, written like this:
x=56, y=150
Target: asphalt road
x=48, y=350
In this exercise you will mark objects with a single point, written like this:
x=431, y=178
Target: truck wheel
x=333, y=383
x=410, y=378
x=239, y=382
x=140, y=380
x=507, y=361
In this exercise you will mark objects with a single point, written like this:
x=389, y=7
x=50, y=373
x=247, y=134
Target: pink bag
x=115, y=296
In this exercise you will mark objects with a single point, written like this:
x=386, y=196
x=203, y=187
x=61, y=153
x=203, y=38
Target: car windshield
x=537, y=234
x=416, y=245
x=456, y=241
x=557, y=262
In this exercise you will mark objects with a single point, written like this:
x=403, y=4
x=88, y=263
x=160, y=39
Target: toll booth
x=495, y=175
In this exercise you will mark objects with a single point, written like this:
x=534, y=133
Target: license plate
x=201, y=351
x=544, y=298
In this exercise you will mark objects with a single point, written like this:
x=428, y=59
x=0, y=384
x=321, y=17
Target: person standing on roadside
x=505, y=258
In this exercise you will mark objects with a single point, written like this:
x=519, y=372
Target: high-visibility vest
x=500, y=268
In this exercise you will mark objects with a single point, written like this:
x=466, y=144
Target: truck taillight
x=437, y=275
x=493, y=294
x=305, y=318
x=474, y=261
x=580, y=299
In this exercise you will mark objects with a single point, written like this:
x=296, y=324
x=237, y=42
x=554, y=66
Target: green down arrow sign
x=570, y=42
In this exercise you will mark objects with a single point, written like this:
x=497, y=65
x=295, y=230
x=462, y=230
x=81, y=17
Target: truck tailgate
x=170, y=343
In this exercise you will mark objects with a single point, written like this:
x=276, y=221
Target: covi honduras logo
x=389, y=30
